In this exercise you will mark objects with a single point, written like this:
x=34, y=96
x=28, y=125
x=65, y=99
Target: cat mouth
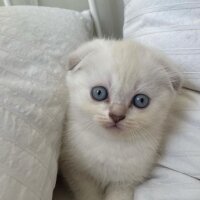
x=113, y=126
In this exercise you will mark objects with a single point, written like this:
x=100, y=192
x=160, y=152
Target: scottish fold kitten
x=120, y=93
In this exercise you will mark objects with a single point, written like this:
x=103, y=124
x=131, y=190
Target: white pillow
x=170, y=25
x=34, y=43
x=173, y=26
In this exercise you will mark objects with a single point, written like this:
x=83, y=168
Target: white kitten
x=120, y=95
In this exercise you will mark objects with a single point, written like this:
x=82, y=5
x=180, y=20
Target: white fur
x=105, y=163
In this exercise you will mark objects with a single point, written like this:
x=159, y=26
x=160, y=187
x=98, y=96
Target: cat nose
x=117, y=112
x=116, y=118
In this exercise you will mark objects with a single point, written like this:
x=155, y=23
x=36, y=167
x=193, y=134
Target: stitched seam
x=154, y=31
x=166, y=167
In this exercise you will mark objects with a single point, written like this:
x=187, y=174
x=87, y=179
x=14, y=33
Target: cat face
x=120, y=86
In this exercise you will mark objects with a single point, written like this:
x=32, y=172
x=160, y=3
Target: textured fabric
x=34, y=43
x=170, y=25
x=174, y=27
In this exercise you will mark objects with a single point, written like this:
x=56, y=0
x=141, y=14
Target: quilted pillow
x=34, y=43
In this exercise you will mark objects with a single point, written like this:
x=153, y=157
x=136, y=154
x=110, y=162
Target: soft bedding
x=34, y=43
x=174, y=27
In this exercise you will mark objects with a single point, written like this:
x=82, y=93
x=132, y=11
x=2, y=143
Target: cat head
x=120, y=86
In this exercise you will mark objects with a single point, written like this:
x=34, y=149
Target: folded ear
x=173, y=72
x=82, y=52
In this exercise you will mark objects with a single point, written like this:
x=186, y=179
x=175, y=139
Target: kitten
x=120, y=93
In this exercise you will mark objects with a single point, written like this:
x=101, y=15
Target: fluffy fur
x=99, y=161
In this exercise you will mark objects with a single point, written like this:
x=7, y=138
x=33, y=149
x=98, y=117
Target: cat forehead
x=124, y=64
x=123, y=75
x=133, y=58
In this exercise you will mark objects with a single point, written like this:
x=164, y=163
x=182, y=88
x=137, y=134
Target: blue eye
x=141, y=101
x=99, y=93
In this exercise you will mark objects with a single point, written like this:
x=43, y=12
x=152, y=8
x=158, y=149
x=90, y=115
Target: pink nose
x=117, y=112
x=116, y=118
